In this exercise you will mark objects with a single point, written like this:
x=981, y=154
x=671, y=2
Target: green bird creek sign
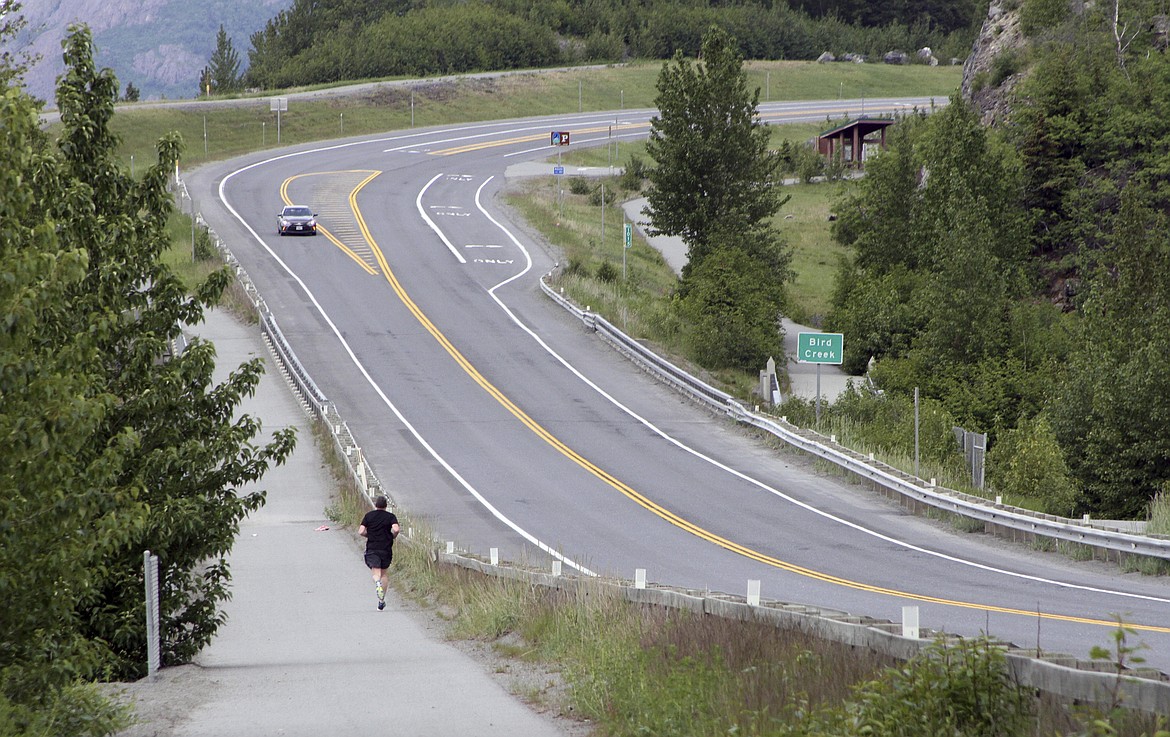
x=820, y=347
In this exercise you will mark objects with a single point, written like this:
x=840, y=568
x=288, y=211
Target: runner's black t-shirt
x=378, y=535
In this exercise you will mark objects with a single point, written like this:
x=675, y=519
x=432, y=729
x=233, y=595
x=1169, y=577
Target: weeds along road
x=498, y=421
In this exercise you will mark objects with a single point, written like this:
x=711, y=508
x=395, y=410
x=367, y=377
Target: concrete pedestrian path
x=305, y=650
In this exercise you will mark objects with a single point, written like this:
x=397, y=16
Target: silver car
x=296, y=219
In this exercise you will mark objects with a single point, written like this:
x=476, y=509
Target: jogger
x=379, y=527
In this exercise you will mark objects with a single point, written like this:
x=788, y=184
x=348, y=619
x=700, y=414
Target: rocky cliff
x=158, y=45
x=989, y=74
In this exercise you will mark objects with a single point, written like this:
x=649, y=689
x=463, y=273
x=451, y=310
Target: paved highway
x=499, y=421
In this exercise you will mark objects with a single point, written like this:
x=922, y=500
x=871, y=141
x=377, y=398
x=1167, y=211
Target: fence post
x=150, y=569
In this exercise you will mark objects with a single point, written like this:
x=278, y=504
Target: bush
x=1028, y=462
x=951, y=689
x=1004, y=66
x=204, y=249
x=633, y=175
x=1037, y=16
x=581, y=186
x=809, y=163
x=607, y=272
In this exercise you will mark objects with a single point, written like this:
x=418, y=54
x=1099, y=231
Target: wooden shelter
x=848, y=140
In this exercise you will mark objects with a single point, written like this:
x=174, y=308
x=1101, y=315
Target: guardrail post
x=753, y=592
x=639, y=578
x=910, y=622
x=495, y=556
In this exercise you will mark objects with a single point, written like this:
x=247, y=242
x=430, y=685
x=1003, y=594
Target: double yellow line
x=322, y=230
x=481, y=145
x=648, y=504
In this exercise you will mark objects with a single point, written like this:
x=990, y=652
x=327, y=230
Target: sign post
x=820, y=348
x=559, y=138
x=276, y=105
x=629, y=233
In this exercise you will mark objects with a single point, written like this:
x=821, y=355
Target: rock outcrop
x=999, y=37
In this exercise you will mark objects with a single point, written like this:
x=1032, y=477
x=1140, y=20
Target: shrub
x=1037, y=16
x=1004, y=66
x=633, y=175
x=607, y=272
x=204, y=249
x=1027, y=461
x=951, y=689
x=581, y=186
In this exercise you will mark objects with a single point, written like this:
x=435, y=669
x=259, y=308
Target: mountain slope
x=158, y=45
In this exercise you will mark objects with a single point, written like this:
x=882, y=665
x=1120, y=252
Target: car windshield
x=298, y=212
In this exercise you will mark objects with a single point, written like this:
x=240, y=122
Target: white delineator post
x=153, y=646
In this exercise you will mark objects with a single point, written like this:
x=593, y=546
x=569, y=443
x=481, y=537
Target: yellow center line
x=322, y=229
x=481, y=145
x=656, y=508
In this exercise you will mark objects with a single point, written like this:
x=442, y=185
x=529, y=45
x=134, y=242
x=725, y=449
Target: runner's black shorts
x=379, y=558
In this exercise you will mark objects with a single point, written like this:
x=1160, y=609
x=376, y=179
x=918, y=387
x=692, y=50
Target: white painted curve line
x=381, y=394
x=523, y=250
x=760, y=484
x=423, y=213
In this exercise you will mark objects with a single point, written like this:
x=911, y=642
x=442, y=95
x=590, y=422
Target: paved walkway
x=305, y=650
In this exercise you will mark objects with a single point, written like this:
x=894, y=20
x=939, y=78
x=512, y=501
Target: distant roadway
x=498, y=421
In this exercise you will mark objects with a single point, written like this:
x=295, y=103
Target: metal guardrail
x=908, y=487
x=316, y=403
x=312, y=398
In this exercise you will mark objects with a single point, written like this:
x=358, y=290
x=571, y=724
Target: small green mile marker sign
x=820, y=347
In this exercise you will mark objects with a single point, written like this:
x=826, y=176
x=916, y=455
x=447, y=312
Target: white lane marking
x=739, y=474
x=583, y=141
x=438, y=231
x=381, y=394
x=481, y=245
x=525, y=128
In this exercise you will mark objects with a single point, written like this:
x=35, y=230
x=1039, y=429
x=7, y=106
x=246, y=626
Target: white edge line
x=422, y=213
x=756, y=482
x=385, y=399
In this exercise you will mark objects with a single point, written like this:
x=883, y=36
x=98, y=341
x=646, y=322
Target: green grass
x=631, y=670
x=214, y=133
x=804, y=223
x=1159, y=514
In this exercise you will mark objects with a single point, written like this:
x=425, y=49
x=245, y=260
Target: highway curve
x=499, y=421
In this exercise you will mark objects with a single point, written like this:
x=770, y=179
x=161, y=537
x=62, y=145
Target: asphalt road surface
x=499, y=421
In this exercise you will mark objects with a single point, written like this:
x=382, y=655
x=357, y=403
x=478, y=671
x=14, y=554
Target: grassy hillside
x=243, y=125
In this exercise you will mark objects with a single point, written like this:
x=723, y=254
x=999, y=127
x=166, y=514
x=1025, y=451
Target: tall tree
x=62, y=506
x=109, y=447
x=715, y=185
x=190, y=455
x=1112, y=411
x=714, y=169
x=224, y=67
